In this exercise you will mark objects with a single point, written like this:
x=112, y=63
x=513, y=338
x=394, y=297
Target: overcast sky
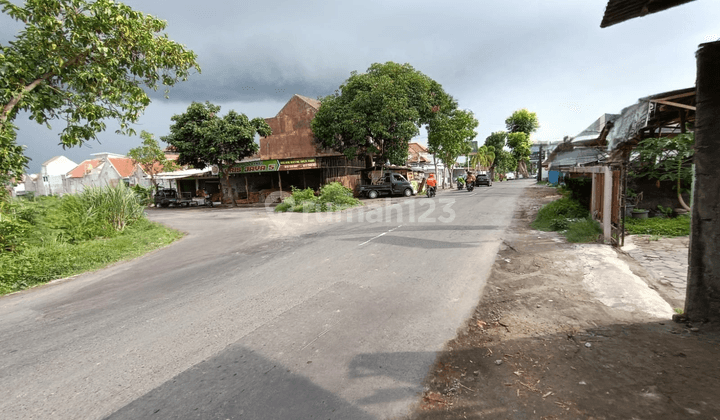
x=549, y=56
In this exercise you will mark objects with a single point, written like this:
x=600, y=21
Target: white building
x=51, y=179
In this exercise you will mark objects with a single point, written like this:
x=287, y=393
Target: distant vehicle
x=510, y=175
x=392, y=184
x=166, y=197
x=483, y=179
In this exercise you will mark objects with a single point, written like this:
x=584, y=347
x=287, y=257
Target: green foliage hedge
x=333, y=197
x=659, y=226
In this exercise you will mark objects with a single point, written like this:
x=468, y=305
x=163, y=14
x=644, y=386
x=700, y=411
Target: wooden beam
x=675, y=104
x=682, y=95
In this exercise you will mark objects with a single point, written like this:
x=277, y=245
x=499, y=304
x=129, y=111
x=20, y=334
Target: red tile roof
x=79, y=171
x=124, y=166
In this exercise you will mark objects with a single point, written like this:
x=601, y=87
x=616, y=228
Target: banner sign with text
x=256, y=166
x=295, y=164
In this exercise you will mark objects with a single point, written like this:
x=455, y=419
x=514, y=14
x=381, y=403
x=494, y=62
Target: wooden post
x=702, y=302
x=304, y=183
x=280, y=183
x=247, y=190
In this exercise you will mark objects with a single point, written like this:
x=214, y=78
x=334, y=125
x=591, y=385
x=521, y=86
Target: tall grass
x=51, y=237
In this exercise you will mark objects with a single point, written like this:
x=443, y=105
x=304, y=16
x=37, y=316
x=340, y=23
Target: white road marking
x=382, y=234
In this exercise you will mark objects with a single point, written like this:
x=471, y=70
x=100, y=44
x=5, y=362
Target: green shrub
x=583, y=230
x=553, y=216
x=144, y=194
x=679, y=226
x=336, y=196
x=333, y=197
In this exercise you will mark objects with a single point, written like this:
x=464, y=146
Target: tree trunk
x=702, y=302
x=226, y=176
x=369, y=161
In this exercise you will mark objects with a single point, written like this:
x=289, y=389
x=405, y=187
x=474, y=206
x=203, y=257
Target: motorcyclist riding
x=431, y=185
x=470, y=178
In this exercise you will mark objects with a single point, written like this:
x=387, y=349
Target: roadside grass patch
x=583, y=231
x=659, y=226
x=558, y=215
x=46, y=238
x=568, y=217
x=37, y=264
x=333, y=197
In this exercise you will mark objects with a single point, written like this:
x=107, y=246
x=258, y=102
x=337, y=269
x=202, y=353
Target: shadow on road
x=239, y=384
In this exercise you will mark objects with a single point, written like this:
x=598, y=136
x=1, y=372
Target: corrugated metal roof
x=618, y=11
x=595, y=129
x=577, y=157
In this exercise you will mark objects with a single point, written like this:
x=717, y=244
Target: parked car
x=164, y=197
x=392, y=184
x=510, y=175
x=483, y=179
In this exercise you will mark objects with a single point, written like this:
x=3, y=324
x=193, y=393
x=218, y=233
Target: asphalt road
x=258, y=316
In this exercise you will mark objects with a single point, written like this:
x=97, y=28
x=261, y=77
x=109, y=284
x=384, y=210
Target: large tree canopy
x=449, y=136
x=520, y=125
x=202, y=138
x=375, y=114
x=522, y=121
x=497, y=140
x=82, y=62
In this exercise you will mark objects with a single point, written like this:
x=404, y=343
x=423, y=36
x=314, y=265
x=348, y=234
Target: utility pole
x=540, y=159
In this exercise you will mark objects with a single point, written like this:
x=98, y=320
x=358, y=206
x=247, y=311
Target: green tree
x=375, y=114
x=82, y=62
x=151, y=158
x=497, y=140
x=202, y=138
x=484, y=158
x=519, y=144
x=668, y=159
x=505, y=161
x=520, y=125
x=522, y=121
x=449, y=136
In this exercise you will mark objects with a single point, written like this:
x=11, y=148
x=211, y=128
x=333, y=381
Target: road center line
x=382, y=234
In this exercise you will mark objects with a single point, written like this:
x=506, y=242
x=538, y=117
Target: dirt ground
x=541, y=343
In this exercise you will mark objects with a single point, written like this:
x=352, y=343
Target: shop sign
x=295, y=164
x=255, y=166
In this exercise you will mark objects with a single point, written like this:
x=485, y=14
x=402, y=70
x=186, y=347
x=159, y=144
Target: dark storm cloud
x=494, y=57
